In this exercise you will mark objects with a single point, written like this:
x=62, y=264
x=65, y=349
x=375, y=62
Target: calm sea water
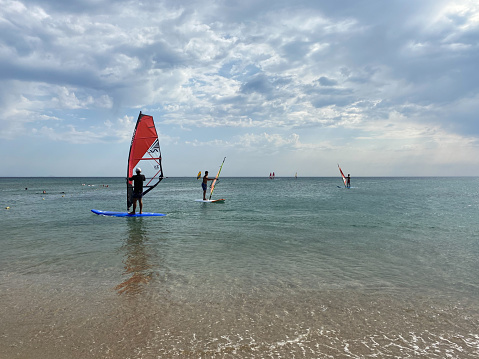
x=284, y=268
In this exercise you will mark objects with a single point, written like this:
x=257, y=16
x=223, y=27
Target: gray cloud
x=239, y=64
x=324, y=81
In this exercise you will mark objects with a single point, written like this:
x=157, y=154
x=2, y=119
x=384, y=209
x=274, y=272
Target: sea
x=284, y=268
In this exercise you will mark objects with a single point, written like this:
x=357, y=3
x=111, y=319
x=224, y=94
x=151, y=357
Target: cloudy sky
x=385, y=88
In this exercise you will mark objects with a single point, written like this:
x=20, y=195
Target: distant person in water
x=348, y=182
x=204, y=184
x=138, y=180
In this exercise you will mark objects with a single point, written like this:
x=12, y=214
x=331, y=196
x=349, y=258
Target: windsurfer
x=204, y=184
x=348, y=183
x=138, y=180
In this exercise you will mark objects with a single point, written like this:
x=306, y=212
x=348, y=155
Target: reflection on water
x=138, y=268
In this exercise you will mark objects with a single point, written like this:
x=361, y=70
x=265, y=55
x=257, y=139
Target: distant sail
x=342, y=175
x=198, y=175
x=296, y=175
x=214, y=181
x=145, y=153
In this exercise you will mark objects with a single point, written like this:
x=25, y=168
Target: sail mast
x=214, y=181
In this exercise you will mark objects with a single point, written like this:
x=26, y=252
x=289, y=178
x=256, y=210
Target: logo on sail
x=155, y=147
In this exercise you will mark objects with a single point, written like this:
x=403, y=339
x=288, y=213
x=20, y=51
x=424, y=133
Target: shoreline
x=44, y=320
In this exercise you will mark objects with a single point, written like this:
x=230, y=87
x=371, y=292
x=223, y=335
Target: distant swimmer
x=138, y=180
x=44, y=191
x=348, y=183
x=204, y=184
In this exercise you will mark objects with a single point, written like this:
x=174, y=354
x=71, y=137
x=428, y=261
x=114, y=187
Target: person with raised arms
x=204, y=184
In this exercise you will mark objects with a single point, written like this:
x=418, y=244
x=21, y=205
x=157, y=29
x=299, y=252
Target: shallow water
x=284, y=268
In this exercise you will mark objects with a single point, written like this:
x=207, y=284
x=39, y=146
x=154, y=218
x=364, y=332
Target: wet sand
x=42, y=320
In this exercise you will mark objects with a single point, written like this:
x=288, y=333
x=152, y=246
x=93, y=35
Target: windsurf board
x=126, y=214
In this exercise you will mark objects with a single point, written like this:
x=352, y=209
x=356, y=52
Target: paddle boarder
x=204, y=184
x=138, y=180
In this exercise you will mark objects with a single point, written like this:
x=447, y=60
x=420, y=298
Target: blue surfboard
x=126, y=214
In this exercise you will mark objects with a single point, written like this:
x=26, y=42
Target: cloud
x=242, y=72
x=324, y=81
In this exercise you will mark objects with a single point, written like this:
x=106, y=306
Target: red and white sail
x=342, y=175
x=144, y=153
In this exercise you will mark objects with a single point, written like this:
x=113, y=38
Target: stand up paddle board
x=126, y=214
x=211, y=200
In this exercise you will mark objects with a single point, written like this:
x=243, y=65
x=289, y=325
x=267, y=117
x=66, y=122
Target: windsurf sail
x=216, y=179
x=145, y=153
x=198, y=175
x=342, y=175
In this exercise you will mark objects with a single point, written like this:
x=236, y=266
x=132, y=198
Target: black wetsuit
x=137, y=184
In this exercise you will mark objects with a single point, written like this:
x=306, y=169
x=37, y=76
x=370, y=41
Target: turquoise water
x=284, y=268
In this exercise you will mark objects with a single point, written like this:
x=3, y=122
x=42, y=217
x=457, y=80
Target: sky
x=384, y=88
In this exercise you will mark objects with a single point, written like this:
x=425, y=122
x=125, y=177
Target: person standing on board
x=138, y=180
x=348, y=182
x=204, y=184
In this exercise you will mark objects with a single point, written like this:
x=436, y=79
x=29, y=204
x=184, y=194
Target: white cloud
x=401, y=78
